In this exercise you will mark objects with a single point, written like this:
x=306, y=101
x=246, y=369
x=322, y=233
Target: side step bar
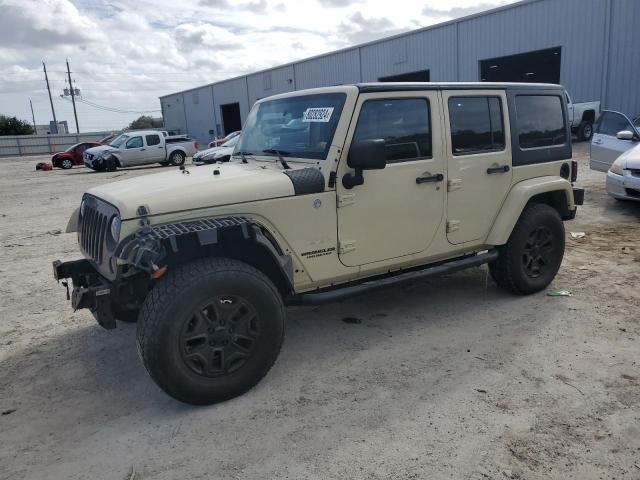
x=340, y=293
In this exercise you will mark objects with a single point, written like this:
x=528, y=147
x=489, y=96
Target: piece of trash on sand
x=560, y=293
x=578, y=234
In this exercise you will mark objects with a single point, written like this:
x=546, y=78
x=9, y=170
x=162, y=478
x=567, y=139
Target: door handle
x=432, y=179
x=159, y=147
x=500, y=169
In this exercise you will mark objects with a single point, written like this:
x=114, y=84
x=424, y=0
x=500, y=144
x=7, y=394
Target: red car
x=72, y=155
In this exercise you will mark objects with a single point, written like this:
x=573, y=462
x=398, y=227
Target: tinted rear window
x=476, y=124
x=153, y=140
x=540, y=121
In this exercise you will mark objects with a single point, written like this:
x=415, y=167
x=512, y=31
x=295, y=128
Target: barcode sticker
x=317, y=114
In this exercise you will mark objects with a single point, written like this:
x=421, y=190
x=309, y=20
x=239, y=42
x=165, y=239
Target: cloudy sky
x=124, y=54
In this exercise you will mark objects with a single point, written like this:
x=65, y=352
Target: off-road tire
x=512, y=270
x=176, y=159
x=585, y=131
x=66, y=164
x=170, y=309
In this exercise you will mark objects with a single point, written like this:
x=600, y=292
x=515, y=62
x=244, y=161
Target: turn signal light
x=574, y=171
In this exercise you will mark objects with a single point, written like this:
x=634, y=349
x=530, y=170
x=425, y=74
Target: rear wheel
x=176, y=159
x=585, y=131
x=210, y=330
x=531, y=258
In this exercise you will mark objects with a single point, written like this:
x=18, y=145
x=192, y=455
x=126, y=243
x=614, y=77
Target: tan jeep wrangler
x=330, y=192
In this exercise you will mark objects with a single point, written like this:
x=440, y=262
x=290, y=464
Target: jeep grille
x=93, y=225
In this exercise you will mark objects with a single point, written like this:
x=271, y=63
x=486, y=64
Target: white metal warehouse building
x=589, y=46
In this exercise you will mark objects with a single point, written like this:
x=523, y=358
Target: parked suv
x=331, y=192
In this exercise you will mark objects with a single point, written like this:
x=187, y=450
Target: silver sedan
x=623, y=178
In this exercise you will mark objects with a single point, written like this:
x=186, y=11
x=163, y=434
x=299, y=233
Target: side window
x=610, y=123
x=404, y=124
x=135, y=142
x=152, y=140
x=476, y=125
x=540, y=121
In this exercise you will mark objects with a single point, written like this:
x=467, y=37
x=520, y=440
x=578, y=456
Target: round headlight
x=617, y=167
x=116, y=223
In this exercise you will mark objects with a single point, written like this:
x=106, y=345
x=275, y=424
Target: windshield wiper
x=242, y=154
x=280, y=154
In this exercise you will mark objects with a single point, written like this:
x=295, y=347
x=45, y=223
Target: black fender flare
x=152, y=247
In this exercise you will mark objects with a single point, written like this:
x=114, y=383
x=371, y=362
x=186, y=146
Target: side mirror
x=365, y=155
x=625, y=135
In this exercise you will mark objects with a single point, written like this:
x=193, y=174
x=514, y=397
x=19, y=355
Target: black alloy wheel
x=218, y=337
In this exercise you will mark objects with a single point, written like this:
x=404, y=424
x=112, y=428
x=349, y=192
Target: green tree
x=14, y=126
x=145, y=121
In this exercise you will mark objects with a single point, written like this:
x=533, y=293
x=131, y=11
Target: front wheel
x=530, y=259
x=66, y=164
x=210, y=330
x=176, y=159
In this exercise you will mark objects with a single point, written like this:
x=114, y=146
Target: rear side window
x=540, y=121
x=476, y=125
x=404, y=124
x=610, y=123
x=152, y=140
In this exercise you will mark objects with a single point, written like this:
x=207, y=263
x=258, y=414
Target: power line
x=113, y=109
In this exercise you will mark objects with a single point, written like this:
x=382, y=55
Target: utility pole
x=50, y=99
x=73, y=98
x=35, y=129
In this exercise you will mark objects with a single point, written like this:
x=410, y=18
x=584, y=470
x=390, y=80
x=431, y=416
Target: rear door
x=478, y=161
x=397, y=210
x=155, y=149
x=605, y=145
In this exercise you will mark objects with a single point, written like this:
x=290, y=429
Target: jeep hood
x=176, y=190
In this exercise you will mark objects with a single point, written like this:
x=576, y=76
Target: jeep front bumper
x=90, y=289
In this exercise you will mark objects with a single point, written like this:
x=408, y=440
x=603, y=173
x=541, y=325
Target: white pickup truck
x=140, y=148
x=582, y=117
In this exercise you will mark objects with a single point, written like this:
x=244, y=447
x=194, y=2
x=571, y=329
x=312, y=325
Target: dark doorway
x=541, y=66
x=231, y=121
x=421, y=76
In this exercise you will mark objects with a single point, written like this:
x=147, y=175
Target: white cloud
x=126, y=53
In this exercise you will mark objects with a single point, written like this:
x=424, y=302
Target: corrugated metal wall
x=622, y=72
x=599, y=41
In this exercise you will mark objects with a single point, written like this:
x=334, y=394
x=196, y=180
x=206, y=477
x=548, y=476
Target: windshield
x=232, y=142
x=70, y=149
x=119, y=141
x=300, y=127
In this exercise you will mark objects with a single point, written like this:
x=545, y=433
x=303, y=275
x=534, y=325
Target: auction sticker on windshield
x=317, y=114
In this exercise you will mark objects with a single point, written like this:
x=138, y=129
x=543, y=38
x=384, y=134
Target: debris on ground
x=44, y=166
x=559, y=293
x=9, y=412
x=578, y=235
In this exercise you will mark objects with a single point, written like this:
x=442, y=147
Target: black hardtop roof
x=410, y=86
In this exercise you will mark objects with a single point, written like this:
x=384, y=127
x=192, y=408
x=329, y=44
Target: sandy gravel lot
x=450, y=378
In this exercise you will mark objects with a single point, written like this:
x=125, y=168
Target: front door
x=397, y=210
x=479, y=161
x=605, y=145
